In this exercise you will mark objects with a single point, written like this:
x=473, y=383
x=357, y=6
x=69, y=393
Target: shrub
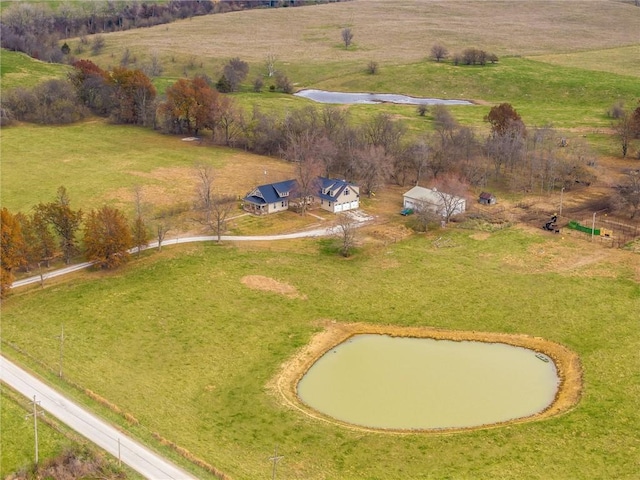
x=258, y=83
x=283, y=83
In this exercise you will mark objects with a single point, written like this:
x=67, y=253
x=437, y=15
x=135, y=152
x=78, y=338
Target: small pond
x=322, y=96
x=385, y=382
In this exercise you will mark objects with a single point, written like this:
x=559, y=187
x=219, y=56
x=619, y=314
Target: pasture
x=184, y=344
x=181, y=343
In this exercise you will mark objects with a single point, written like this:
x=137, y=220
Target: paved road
x=138, y=457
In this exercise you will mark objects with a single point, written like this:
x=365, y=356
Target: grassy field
x=17, y=441
x=178, y=341
x=100, y=163
x=200, y=348
x=397, y=33
x=19, y=70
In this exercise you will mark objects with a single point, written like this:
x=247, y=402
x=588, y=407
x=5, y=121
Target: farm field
x=180, y=342
x=187, y=343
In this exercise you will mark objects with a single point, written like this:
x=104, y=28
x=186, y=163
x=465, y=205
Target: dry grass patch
x=268, y=284
x=398, y=33
x=570, y=255
x=480, y=236
x=621, y=61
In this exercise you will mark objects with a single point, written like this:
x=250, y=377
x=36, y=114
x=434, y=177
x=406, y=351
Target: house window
x=346, y=191
x=283, y=204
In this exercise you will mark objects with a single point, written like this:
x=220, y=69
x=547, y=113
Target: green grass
x=96, y=162
x=198, y=347
x=17, y=445
x=20, y=70
x=17, y=442
x=203, y=346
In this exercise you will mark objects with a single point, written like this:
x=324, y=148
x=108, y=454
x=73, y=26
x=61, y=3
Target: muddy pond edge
x=568, y=365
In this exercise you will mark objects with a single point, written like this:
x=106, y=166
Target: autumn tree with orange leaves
x=11, y=248
x=134, y=95
x=107, y=237
x=191, y=105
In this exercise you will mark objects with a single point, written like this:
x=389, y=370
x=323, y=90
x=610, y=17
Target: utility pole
x=593, y=226
x=275, y=458
x=561, y=192
x=35, y=415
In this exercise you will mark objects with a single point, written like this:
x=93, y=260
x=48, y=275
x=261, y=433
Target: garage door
x=338, y=207
x=354, y=205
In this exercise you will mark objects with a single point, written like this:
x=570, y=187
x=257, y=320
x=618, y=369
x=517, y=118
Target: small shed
x=487, y=198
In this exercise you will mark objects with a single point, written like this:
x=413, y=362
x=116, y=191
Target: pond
x=322, y=96
x=404, y=383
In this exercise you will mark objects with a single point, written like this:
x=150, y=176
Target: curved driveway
x=320, y=232
x=138, y=457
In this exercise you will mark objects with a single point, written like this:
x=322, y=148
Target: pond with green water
x=402, y=383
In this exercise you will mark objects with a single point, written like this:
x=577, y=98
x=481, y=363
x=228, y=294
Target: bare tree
x=204, y=193
x=98, y=45
x=418, y=156
x=270, y=63
x=305, y=150
x=628, y=193
x=221, y=207
x=229, y=121
x=372, y=67
x=235, y=71
x=506, y=148
x=347, y=37
x=625, y=129
x=425, y=215
x=346, y=233
x=438, y=52
x=372, y=168
x=451, y=193
x=139, y=230
x=162, y=228
x=383, y=131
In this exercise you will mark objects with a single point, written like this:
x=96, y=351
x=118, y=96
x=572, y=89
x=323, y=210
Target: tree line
x=51, y=231
x=35, y=28
x=55, y=231
x=322, y=140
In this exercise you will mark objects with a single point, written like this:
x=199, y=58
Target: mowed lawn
x=181, y=343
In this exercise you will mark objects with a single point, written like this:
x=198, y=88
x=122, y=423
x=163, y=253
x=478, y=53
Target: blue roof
x=335, y=186
x=271, y=192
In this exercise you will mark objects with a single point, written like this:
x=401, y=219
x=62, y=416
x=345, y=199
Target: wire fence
x=611, y=233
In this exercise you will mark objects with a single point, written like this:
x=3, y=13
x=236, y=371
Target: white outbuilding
x=438, y=202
